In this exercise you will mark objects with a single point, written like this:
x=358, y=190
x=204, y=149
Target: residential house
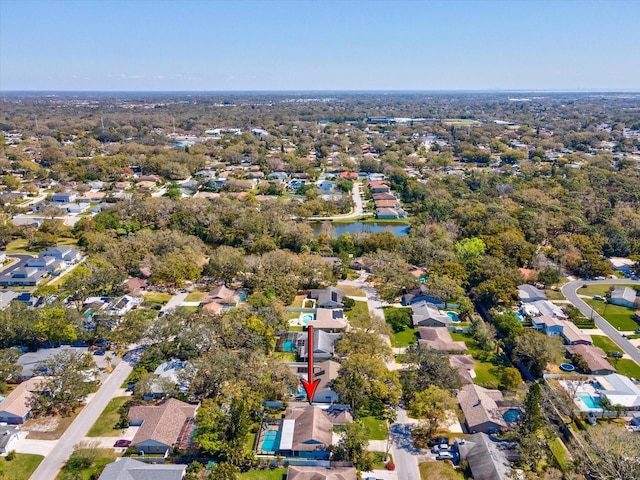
x=213, y=307
x=16, y=408
x=74, y=207
x=572, y=334
x=619, y=390
x=439, y=338
x=324, y=344
x=348, y=175
x=594, y=358
x=146, y=185
x=161, y=426
x=136, y=286
x=8, y=435
x=330, y=297
x=426, y=314
x=488, y=459
x=92, y=197
x=387, y=204
x=623, y=296
x=171, y=371
x=128, y=468
x=480, y=408
x=68, y=254
x=306, y=432
x=321, y=473
x=464, y=364
x=281, y=176
x=326, y=372
x=329, y=319
x=390, y=213
x=63, y=197
x=543, y=307
x=6, y=297
x=23, y=277
x=419, y=294
x=383, y=196
x=224, y=296
x=548, y=325
x=529, y=293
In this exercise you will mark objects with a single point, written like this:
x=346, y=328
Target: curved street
x=570, y=291
x=358, y=207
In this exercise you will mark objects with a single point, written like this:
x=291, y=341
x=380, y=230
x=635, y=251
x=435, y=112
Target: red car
x=122, y=443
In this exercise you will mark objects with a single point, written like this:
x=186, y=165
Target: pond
x=399, y=230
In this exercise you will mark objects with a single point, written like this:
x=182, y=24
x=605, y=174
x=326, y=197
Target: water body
x=359, y=227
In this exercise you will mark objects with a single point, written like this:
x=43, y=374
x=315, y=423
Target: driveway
x=570, y=291
x=373, y=298
x=174, y=302
x=405, y=455
x=358, y=207
x=54, y=461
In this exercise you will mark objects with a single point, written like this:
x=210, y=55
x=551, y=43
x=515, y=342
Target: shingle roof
x=321, y=473
x=18, y=402
x=487, y=458
x=624, y=293
x=330, y=294
x=329, y=318
x=162, y=423
x=439, y=338
x=313, y=429
x=132, y=469
x=593, y=356
x=479, y=405
x=529, y=293
x=428, y=311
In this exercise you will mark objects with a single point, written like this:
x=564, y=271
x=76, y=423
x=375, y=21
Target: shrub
x=10, y=456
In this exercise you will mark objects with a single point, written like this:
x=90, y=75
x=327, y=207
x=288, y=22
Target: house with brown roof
x=480, y=408
x=329, y=319
x=16, y=408
x=306, y=432
x=326, y=372
x=386, y=204
x=594, y=357
x=464, y=364
x=439, y=338
x=321, y=473
x=224, y=296
x=162, y=426
x=383, y=196
x=213, y=307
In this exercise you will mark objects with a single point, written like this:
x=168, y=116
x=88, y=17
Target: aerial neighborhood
x=320, y=288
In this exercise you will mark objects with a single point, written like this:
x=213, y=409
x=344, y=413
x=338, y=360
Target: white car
x=444, y=456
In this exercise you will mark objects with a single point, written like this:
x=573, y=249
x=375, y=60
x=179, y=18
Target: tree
x=9, y=370
x=68, y=380
x=225, y=471
x=444, y=288
x=510, y=378
x=611, y=449
x=361, y=342
x=533, y=419
x=54, y=326
x=225, y=264
x=536, y=350
x=366, y=384
x=353, y=446
x=427, y=367
x=431, y=405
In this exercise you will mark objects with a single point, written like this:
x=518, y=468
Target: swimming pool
x=453, y=316
x=289, y=346
x=520, y=316
x=512, y=415
x=270, y=440
x=590, y=401
x=306, y=318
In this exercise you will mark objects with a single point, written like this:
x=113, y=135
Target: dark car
x=438, y=441
x=102, y=344
x=122, y=443
x=615, y=354
x=99, y=352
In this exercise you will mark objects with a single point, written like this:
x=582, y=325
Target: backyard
x=266, y=474
x=489, y=365
x=400, y=321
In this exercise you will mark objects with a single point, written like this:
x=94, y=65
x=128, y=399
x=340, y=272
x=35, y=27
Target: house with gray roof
x=480, y=408
x=426, y=314
x=8, y=435
x=624, y=296
x=324, y=344
x=321, y=473
x=330, y=297
x=68, y=254
x=127, y=468
x=23, y=277
x=439, y=338
x=488, y=459
x=529, y=293
x=306, y=432
x=6, y=297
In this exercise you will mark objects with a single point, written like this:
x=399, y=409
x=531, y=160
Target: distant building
x=439, y=338
x=480, y=408
x=624, y=297
x=426, y=314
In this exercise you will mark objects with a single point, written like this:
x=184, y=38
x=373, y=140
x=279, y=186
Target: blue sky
x=319, y=45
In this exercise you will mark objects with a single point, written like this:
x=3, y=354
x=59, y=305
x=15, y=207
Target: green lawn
x=619, y=317
x=405, y=338
x=359, y=307
x=19, y=246
x=561, y=453
x=377, y=428
x=297, y=301
x=20, y=468
x=627, y=367
x=196, y=296
x=286, y=357
x=554, y=294
x=439, y=471
x=595, y=289
x=103, y=457
x=605, y=343
x=267, y=474
x=106, y=422
x=157, y=297
x=353, y=291
x=489, y=365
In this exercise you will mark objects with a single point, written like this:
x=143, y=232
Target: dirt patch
x=48, y=428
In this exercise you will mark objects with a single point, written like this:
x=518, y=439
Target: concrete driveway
x=35, y=447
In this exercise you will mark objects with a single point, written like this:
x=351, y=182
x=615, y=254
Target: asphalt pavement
x=53, y=462
x=570, y=291
x=402, y=448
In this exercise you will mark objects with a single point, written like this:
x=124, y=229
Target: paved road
x=570, y=290
x=53, y=462
x=358, y=210
x=402, y=449
x=373, y=298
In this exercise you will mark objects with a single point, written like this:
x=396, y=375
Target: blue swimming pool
x=590, y=401
x=270, y=441
x=512, y=415
x=520, y=316
x=289, y=346
x=306, y=318
x=453, y=316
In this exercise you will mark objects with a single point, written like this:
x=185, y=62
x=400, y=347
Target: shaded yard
x=489, y=365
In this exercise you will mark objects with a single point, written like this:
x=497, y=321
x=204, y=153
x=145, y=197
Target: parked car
x=444, y=456
x=438, y=441
x=598, y=297
x=441, y=448
x=615, y=354
x=99, y=352
x=122, y=443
